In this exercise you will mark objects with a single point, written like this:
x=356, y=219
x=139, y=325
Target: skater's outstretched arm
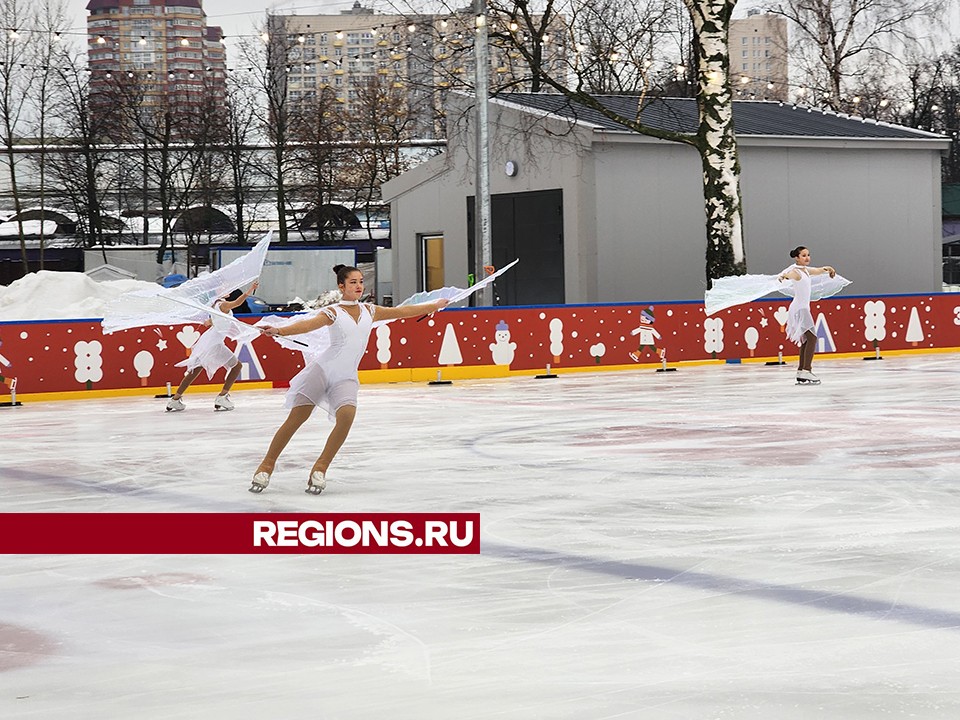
x=228, y=305
x=321, y=319
x=825, y=270
x=405, y=311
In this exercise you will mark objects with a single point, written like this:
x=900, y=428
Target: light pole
x=483, y=249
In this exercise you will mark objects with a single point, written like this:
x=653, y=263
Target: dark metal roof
x=750, y=117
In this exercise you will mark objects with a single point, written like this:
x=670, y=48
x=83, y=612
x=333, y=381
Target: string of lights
x=450, y=30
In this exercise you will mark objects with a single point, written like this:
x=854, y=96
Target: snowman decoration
x=501, y=348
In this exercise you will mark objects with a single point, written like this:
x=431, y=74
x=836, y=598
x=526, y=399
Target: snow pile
x=49, y=295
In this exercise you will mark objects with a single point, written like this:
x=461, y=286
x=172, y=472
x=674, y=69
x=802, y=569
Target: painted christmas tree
x=914, y=328
x=450, y=348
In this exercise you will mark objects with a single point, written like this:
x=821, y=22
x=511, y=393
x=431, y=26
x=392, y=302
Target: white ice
x=714, y=542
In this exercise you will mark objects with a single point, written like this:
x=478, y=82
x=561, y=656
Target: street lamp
x=483, y=254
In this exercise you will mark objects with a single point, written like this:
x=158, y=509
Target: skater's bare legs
x=185, y=383
x=807, y=350
x=297, y=417
x=232, y=375
x=345, y=416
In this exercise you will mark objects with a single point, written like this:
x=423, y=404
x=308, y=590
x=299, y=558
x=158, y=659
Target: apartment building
x=163, y=45
x=758, y=56
x=424, y=56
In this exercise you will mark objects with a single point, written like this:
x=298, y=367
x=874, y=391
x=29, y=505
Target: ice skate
x=175, y=405
x=260, y=482
x=316, y=483
x=222, y=402
x=805, y=377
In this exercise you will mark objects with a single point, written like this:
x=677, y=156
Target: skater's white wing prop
x=823, y=286
x=159, y=306
x=738, y=289
x=239, y=330
x=455, y=294
x=309, y=343
x=318, y=340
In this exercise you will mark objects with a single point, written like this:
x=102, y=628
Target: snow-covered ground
x=49, y=295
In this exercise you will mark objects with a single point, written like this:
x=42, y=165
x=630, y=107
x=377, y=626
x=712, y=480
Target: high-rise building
x=163, y=46
x=758, y=56
x=421, y=55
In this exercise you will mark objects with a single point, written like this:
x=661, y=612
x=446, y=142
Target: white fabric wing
x=824, y=286
x=319, y=340
x=738, y=289
x=158, y=306
x=235, y=329
x=309, y=343
x=455, y=294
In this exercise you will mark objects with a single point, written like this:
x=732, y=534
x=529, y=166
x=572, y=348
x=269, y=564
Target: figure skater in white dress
x=211, y=353
x=330, y=380
x=799, y=319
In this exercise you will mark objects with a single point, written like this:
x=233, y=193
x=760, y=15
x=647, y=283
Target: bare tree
x=17, y=57
x=268, y=60
x=316, y=124
x=240, y=122
x=835, y=43
x=378, y=124
x=616, y=43
x=79, y=171
x=49, y=51
x=714, y=140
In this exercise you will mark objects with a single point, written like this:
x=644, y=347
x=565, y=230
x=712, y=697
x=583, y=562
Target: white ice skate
x=805, y=377
x=223, y=402
x=260, y=482
x=316, y=483
x=175, y=405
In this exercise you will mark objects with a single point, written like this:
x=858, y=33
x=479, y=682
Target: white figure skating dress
x=799, y=318
x=329, y=379
x=210, y=351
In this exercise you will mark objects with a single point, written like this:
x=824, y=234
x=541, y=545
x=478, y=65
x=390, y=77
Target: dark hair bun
x=338, y=268
x=797, y=250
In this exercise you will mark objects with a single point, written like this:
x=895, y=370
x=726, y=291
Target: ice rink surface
x=709, y=543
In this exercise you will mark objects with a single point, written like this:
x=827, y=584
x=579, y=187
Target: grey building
x=597, y=213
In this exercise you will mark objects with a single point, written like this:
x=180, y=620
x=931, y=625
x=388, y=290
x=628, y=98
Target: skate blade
x=313, y=490
x=256, y=489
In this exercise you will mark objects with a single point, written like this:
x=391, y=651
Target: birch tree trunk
x=716, y=140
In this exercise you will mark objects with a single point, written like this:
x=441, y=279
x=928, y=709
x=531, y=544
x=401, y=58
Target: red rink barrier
x=238, y=533
x=75, y=356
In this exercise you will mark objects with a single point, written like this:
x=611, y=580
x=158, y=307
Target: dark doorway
x=528, y=226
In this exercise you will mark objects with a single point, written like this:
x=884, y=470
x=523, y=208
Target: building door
x=431, y=262
x=528, y=226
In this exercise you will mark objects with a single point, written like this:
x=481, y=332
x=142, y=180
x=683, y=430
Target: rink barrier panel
x=58, y=359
